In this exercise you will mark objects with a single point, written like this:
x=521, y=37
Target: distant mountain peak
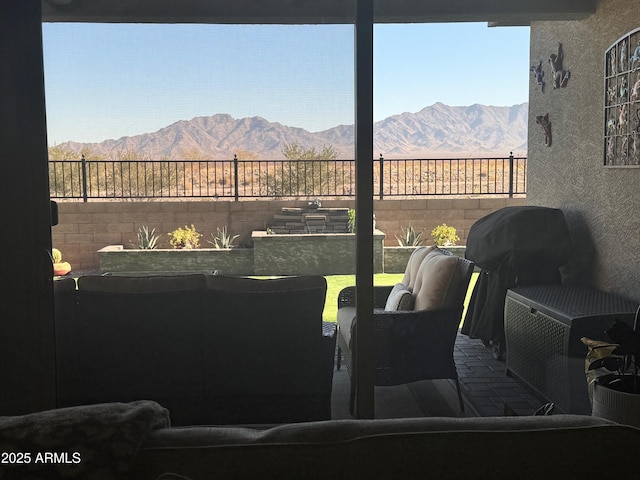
x=438, y=130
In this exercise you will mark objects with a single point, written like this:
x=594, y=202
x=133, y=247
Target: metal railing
x=235, y=179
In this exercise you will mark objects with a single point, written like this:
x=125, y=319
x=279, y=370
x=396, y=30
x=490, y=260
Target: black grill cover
x=523, y=232
x=514, y=246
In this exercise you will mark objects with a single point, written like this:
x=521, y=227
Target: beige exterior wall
x=85, y=228
x=602, y=205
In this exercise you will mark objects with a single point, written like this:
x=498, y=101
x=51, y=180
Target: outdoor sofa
x=136, y=441
x=210, y=348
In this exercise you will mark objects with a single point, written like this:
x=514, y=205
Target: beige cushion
x=400, y=298
x=437, y=281
x=413, y=265
x=346, y=316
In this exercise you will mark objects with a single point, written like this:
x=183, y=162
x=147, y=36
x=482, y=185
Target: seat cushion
x=346, y=316
x=437, y=281
x=400, y=298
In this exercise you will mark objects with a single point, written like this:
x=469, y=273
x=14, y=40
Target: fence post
x=85, y=194
x=510, y=174
x=235, y=176
x=381, y=160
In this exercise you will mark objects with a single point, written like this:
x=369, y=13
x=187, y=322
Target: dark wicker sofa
x=212, y=349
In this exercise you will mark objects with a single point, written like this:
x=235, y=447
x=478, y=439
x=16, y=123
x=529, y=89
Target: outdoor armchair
x=415, y=344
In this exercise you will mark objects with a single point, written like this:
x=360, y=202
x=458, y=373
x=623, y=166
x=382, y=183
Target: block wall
x=85, y=228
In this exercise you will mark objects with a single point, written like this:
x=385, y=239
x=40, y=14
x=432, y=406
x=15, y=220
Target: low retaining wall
x=320, y=254
x=311, y=254
x=396, y=258
x=234, y=261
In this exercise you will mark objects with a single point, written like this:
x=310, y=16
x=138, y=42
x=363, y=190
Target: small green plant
x=222, y=239
x=351, y=224
x=147, y=239
x=444, y=235
x=410, y=237
x=186, y=237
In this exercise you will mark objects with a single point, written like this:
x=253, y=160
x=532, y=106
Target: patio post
x=364, y=356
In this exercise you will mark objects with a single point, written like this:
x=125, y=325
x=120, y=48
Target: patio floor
x=485, y=389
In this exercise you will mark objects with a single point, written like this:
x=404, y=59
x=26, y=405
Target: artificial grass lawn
x=335, y=283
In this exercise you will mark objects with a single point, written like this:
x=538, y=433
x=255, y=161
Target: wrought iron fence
x=235, y=179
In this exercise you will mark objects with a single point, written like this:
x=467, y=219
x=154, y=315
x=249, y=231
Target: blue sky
x=106, y=81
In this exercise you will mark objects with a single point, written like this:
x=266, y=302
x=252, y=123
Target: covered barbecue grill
x=514, y=246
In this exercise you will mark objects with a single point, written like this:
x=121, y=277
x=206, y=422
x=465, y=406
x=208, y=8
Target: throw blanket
x=92, y=442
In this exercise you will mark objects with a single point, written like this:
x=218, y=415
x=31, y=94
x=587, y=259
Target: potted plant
x=60, y=268
x=616, y=395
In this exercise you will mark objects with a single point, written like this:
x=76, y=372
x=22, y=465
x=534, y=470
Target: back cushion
x=281, y=284
x=437, y=281
x=261, y=342
x=413, y=265
x=142, y=284
x=138, y=337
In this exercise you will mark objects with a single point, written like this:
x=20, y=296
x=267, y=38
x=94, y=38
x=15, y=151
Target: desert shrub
x=187, y=237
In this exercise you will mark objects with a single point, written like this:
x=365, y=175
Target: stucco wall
x=602, y=205
x=85, y=228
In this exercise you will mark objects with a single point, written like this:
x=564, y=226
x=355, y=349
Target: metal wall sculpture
x=545, y=123
x=622, y=102
x=559, y=75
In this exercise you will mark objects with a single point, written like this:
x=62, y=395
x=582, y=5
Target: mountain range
x=435, y=131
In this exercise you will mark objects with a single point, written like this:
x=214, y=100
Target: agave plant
x=410, y=237
x=147, y=239
x=222, y=239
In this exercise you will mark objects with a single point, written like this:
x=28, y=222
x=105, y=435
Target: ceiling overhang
x=496, y=12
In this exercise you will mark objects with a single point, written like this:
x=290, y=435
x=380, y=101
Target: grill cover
x=513, y=246
x=525, y=233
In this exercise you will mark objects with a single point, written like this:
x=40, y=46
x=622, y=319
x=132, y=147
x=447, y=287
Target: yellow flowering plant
x=444, y=235
x=187, y=237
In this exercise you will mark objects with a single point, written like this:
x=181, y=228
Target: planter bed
x=234, y=261
x=279, y=254
x=311, y=253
